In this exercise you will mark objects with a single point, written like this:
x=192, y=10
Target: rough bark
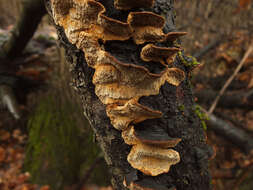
x=192, y=171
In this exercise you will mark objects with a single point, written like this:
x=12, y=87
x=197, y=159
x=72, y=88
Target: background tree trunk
x=26, y=25
x=176, y=103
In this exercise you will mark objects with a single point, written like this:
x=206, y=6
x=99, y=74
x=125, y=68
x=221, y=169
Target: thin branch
x=235, y=99
x=212, y=45
x=215, y=102
x=235, y=135
x=242, y=177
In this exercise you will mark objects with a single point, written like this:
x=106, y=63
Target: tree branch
x=228, y=100
x=233, y=134
x=215, y=102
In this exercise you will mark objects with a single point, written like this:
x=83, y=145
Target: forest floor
x=231, y=168
x=39, y=70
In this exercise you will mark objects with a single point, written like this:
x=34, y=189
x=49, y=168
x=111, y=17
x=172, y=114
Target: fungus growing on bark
x=152, y=160
x=155, y=137
x=151, y=52
x=175, y=76
x=149, y=153
x=119, y=85
x=172, y=36
x=133, y=81
x=131, y=112
x=147, y=27
x=113, y=29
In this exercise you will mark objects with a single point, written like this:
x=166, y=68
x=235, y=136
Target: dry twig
x=215, y=102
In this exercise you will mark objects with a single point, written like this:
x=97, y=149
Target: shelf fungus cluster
x=119, y=85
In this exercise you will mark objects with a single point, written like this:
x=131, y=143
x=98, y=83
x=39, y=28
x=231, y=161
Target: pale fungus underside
x=120, y=85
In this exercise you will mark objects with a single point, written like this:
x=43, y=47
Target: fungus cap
x=151, y=52
x=131, y=112
x=114, y=29
x=147, y=27
x=152, y=160
x=153, y=137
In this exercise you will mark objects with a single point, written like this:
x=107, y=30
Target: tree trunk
x=26, y=25
x=158, y=108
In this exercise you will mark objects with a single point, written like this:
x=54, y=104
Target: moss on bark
x=58, y=152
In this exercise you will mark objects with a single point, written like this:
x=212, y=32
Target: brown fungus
x=60, y=9
x=129, y=4
x=147, y=27
x=129, y=136
x=152, y=160
x=156, y=138
x=119, y=85
x=172, y=36
x=131, y=112
x=151, y=52
x=150, y=155
x=105, y=74
x=175, y=76
x=114, y=29
x=133, y=81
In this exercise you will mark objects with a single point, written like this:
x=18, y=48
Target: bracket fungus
x=120, y=85
x=149, y=153
x=152, y=160
x=130, y=112
x=151, y=52
x=147, y=27
x=172, y=36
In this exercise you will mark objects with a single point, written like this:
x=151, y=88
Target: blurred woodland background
x=52, y=147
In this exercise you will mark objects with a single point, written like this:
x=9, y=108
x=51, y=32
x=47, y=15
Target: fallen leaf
x=46, y=187
x=243, y=4
x=2, y=154
x=4, y=135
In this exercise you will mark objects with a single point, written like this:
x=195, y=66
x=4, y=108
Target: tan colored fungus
x=152, y=160
x=147, y=27
x=131, y=138
x=120, y=85
x=113, y=29
x=154, y=53
x=171, y=36
x=131, y=112
x=149, y=156
x=128, y=85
